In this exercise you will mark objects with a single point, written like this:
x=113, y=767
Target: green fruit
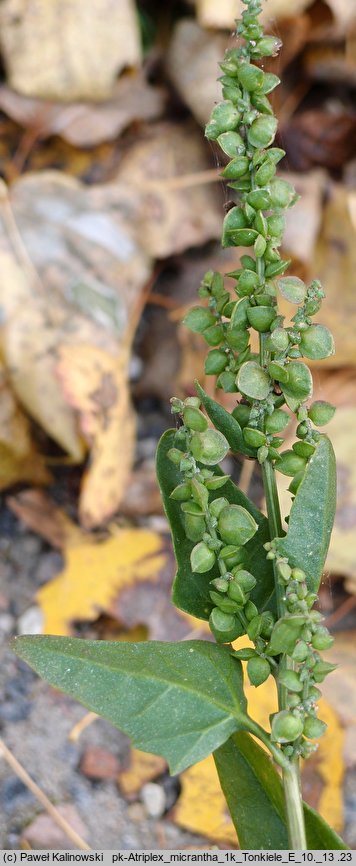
x=217, y=505
x=292, y=289
x=267, y=623
x=291, y=680
x=236, y=525
x=215, y=362
x=258, y=670
x=253, y=381
x=239, y=238
x=214, y=335
x=202, y=558
x=232, y=555
x=300, y=384
x=241, y=413
x=251, y=612
x=259, y=198
x=265, y=173
x=313, y=728
x=238, y=340
x=217, y=482
x=284, y=571
x=268, y=46
x=236, y=593
x=301, y=651
x=276, y=268
x=250, y=77
x=194, y=419
x=282, y=193
x=224, y=117
x=194, y=527
x=270, y=82
x=275, y=225
x=279, y=340
x=262, y=131
x=278, y=372
x=322, y=640
x=321, y=670
x=290, y=463
x=304, y=449
x=209, y=447
x=227, y=381
x=220, y=584
x=225, y=626
x=296, y=481
x=286, y=727
x=182, y=492
x=277, y=422
x=175, y=456
x=254, y=626
x=260, y=242
x=227, y=605
x=232, y=144
x=317, y=343
x=254, y=437
x=245, y=579
x=236, y=168
x=198, y=319
x=321, y=413
x=248, y=282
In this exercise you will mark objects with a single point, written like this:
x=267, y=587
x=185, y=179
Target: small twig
x=81, y=726
x=211, y=175
x=346, y=607
x=43, y=799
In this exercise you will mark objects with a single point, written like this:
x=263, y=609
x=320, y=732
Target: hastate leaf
x=191, y=590
x=312, y=515
x=254, y=794
x=181, y=701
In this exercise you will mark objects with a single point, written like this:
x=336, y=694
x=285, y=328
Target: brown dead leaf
x=170, y=219
x=335, y=265
x=303, y=220
x=85, y=124
x=320, y=137
x=338, y=388
x=94, y=382
x=142, y=768
x=192, y=64
x=35, y=508
x=81, y=311
x=224, y=13
x=19, y=460
x=83, y=46
x=95, y=573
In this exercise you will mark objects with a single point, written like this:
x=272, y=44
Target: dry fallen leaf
x=37, y=511
x=223, y=14
x=83, y=123
x=68, y=325
x=192, y=64
x=338, y=388
x=303, y=220
x=83, y=46
x=142, y=768
x=201, y=807
x=94, y=382
x=19, y=459
x=94, y=574
x=170, y=219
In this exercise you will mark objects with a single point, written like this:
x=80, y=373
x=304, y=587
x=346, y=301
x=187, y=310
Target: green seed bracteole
x=269, y=386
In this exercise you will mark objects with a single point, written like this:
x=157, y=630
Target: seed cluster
x=272, y=384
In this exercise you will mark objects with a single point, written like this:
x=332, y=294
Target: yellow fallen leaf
x=201, y=807
x=95, y=573
x=19, y=460
x=95, y=384
x=83, y=46
x=142, y=768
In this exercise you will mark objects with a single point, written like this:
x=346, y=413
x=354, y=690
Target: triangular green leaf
x=191, y=590
x=226, y=423
x=312, y=515
x=179, y=700
x=254, y=795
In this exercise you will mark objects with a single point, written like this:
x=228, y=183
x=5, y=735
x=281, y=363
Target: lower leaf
x=181, y=701
x=254, y=794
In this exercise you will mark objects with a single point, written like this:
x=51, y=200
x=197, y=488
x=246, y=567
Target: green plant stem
x=294, y=807
x=290, y=775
